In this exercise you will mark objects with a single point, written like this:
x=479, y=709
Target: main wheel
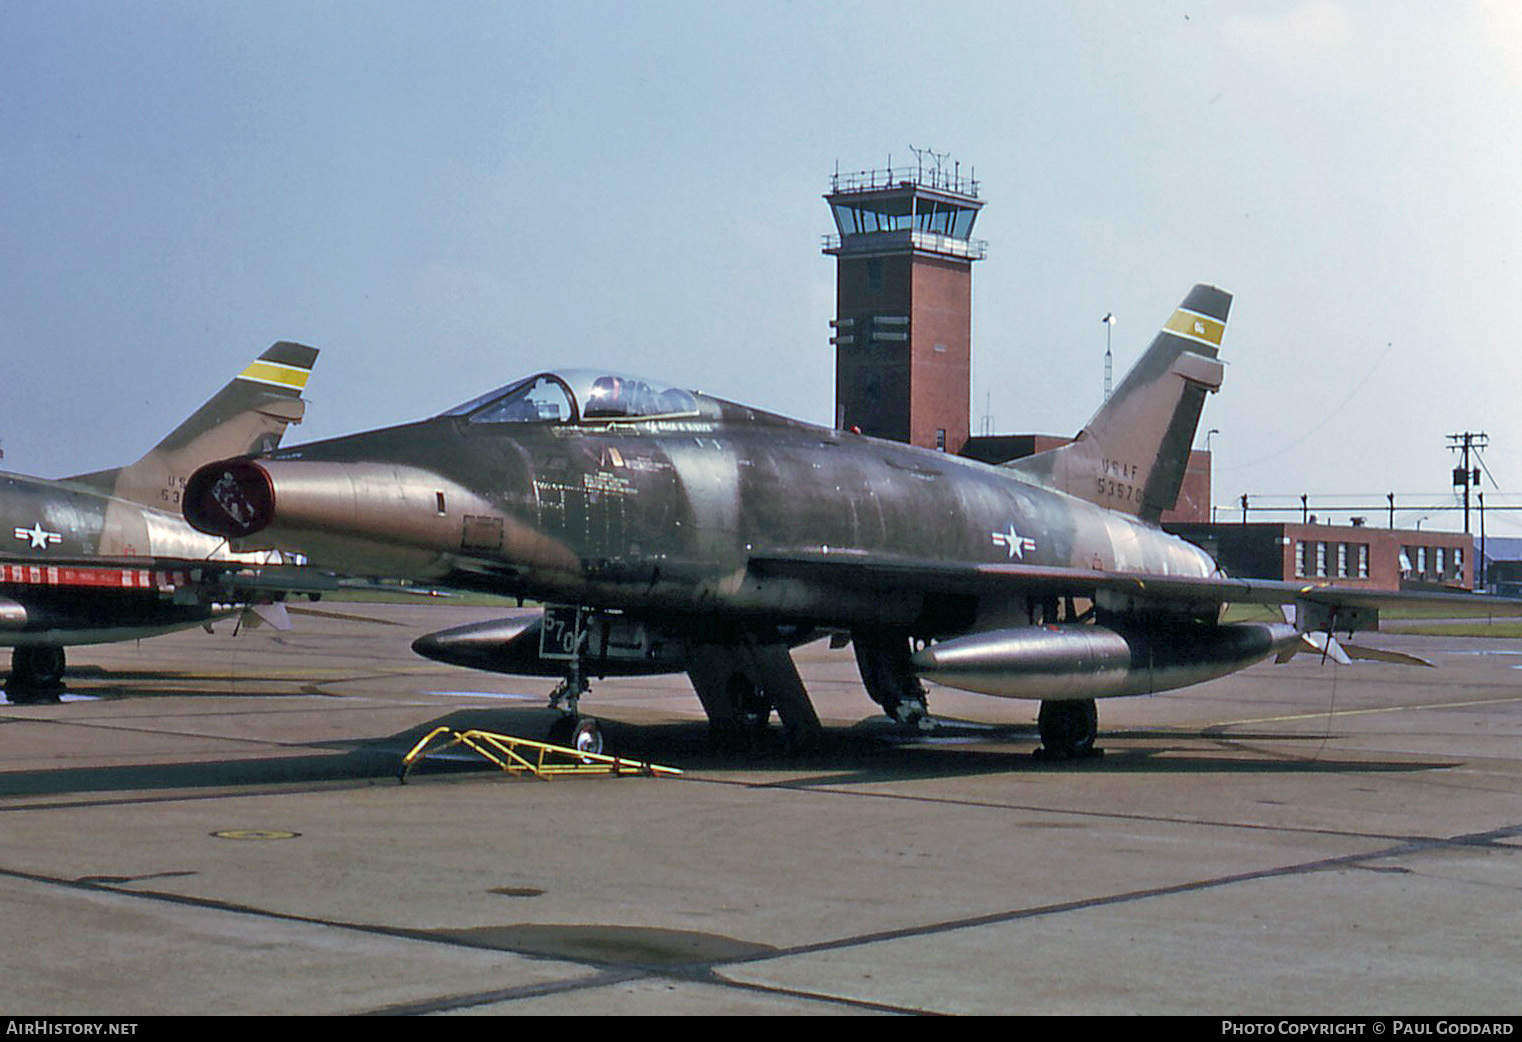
x=1069, y=727
x=36, y=671
x=752, y=708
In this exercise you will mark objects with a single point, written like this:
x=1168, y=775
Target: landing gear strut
x=1068, y=729
x=36, y=672
x=883, y=660
x=740, y=681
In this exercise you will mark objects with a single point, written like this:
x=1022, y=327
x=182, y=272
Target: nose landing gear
x=572, y=730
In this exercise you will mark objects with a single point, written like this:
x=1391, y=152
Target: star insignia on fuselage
x=1013, y=542
x=39, y=536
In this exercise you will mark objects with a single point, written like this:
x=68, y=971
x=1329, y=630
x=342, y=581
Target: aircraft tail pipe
x=1094, y=661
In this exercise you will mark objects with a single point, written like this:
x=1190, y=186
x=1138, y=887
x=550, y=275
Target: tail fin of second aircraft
x=1132, y=455
x=248, y=415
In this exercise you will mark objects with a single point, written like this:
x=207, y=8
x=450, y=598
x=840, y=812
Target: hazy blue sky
x=444, y=196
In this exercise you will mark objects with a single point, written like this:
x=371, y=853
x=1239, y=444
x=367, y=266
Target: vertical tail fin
x=1132, y=455
x=249, y=415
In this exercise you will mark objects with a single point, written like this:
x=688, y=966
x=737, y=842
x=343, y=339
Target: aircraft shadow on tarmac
x=871, y=751
x=96, y=683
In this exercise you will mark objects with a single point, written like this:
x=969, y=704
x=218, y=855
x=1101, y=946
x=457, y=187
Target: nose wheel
x=577, y=732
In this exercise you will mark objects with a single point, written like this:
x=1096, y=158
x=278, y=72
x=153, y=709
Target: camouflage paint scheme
x=107, y=556
x=673, y=531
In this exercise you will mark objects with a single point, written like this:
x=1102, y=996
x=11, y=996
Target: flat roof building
x=1353, y=555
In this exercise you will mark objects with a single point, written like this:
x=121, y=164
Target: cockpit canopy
x=577, y=396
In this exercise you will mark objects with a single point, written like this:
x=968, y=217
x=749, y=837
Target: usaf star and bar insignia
x=40, y=537
x=1015, y=544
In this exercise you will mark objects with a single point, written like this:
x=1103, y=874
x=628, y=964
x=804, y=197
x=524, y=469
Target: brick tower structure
x=903, y=300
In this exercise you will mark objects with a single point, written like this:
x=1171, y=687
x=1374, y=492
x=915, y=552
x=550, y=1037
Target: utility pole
x=1463, y=475
x=1478, y=578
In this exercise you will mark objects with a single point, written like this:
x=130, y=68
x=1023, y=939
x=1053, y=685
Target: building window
x=1342, y=561
x=1363, y=560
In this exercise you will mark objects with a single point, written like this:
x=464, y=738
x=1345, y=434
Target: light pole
x=1109, y=321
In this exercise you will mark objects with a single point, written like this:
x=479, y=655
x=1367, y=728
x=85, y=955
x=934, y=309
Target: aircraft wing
x=1342, y=607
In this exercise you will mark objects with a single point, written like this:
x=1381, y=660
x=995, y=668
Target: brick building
x=1353, y=555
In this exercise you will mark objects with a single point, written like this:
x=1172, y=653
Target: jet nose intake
x=232, y=499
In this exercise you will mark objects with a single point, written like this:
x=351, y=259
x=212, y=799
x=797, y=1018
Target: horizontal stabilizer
x=1330, y=647
x=273, y=615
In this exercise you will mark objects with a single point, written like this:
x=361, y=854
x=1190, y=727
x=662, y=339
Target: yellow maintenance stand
x=525, y=756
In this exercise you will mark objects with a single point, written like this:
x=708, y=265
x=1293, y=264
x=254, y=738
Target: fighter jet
x=669, y=531
x=107, y=556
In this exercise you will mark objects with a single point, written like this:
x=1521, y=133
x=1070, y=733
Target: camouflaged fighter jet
x=107, y=556
x=669, y=531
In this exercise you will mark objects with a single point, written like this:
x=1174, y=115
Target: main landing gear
x=882, y=658
x=36, y=673
x=1068, y=729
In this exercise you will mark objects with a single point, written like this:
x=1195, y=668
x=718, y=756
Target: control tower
x=903, y=301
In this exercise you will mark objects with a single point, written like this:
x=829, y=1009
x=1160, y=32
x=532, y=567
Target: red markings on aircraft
x=114, y=578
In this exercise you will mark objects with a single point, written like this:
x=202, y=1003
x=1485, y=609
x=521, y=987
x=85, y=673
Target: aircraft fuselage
x=669, y=514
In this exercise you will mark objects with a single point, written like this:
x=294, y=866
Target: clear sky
x=445, y=196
